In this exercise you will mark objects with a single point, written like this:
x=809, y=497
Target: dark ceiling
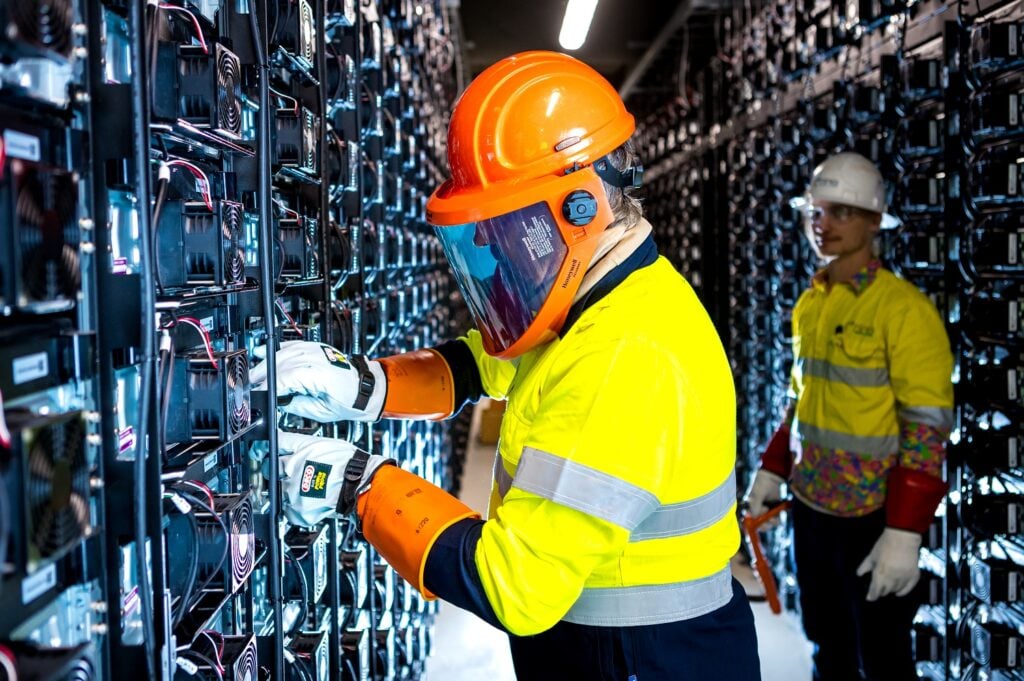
x=620, y=33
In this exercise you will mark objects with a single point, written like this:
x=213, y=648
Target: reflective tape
x=937, y=417
x=860, y=377
x=686, y=517
x=627, y=606
x=873, y=445
x=604, y=496
x=583, y=488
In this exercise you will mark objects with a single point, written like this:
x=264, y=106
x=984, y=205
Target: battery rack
x=184, y=186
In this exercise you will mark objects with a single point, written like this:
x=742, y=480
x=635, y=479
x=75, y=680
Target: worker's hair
x=625, y=206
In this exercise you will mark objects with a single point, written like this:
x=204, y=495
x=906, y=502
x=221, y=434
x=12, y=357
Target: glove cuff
x=372, y=389
x=912, y=499
x=777, y=458
x=358, y=473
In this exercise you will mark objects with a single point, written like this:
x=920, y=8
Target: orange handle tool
x=762, y=569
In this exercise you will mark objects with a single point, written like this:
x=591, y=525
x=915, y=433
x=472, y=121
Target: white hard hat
x=849, y=179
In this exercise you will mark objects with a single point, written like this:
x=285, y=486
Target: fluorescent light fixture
x=576, y=23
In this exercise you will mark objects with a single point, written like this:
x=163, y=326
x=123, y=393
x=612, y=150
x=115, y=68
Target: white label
x=933, y=249
x=1011, y=181
x=1011, y=653
x=1013, y=315
x=210, y=462
x=1011, y=519
x=1011, y=387
x=1013, y=241
x=1013, y=40
x=30, y=367
x=34, y=586
x=1013, y=109
x=208, y=323
x=1011, y=454
x=20, y=145
x=120, y=266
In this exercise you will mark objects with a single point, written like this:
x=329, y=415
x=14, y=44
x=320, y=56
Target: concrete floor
x=468, y=649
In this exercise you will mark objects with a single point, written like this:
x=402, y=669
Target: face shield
x=506, y=267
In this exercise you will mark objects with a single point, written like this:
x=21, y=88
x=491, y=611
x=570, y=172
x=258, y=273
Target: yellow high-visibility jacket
x=870, y=357
x=614, y=496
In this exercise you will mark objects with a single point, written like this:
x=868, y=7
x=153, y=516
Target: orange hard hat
x=520, y=216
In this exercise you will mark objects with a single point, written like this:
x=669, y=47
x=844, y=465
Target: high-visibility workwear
x=871, y=357
x=614, y=495
x=848, y=179
x=521, y=215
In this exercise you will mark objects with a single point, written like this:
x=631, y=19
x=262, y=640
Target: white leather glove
x=766, y=487
x=317, y=382
x=892, y=563
x=313, y=474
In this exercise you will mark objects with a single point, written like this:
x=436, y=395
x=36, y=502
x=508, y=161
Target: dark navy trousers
x=854, y=640
x=718, y=646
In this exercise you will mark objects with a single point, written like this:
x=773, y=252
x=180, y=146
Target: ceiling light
x=576, y=23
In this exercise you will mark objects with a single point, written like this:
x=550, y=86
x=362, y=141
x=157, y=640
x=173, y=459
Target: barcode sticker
x=35, y=585
x=21, y=145
x=30, y=367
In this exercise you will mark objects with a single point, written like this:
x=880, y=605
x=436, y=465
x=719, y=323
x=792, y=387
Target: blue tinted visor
x=506, y=268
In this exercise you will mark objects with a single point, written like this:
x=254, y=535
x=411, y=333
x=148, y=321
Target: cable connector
x=186, y=665
x=163, y=172
x=165, y=341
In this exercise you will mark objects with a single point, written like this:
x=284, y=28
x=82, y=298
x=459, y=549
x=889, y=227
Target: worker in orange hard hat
x=613, y=508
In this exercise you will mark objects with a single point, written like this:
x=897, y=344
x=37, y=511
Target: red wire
x=198, y=172
x=205, y=333
x=205, y=488
x=195, y=22
x=287, y=316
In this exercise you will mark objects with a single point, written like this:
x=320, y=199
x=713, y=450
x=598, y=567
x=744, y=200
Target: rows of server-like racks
x=184, y=186
x=934, y=94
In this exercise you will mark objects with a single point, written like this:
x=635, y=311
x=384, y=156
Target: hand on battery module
x=313, y=473
x=323, y=384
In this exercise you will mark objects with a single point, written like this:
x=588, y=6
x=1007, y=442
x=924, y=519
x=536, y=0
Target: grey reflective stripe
x=854, y=376
x=627, y=606
x=583, y=488
x=872, y=445
x=938, y=417
x=672, y=520
x=501, y=477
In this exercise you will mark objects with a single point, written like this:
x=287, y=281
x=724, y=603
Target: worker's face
x=836, y=230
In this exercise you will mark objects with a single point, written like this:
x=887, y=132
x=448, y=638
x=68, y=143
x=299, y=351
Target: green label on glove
x=335, y=357
x=314, y=480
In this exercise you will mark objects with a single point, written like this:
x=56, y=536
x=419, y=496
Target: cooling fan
x=297, y=139
x=55, y=485
x=209, y=402
x=39, y=24
x=238, y=659
x=299, y=244
x=200, y=248
x=45, y=237
x=235, y=510
x=208, y=88
x=310, y=651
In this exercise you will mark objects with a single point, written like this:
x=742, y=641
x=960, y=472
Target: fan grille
x=46, y=206
x=43, y=23
x=229, y=90
x=238, y=393
x=57, y=487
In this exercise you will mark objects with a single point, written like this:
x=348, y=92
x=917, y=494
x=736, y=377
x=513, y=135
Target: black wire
x=198, y=501
x=204, y=660
x=193, y=573
x=147, y=330
x=300, y=620
x=161, y=198
x=168, y=382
